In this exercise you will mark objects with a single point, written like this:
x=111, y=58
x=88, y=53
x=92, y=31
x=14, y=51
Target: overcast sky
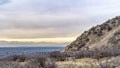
x=21, y=19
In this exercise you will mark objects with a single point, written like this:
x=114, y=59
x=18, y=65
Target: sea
x=27, y=50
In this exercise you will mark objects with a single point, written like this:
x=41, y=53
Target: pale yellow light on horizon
x=51, y=40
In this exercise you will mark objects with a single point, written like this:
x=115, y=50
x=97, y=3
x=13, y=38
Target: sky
x=52, y=21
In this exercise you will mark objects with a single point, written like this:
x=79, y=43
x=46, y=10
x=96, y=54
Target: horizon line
x=38, y=40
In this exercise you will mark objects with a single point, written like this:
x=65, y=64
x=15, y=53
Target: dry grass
x=112, y=62
x=85, y=62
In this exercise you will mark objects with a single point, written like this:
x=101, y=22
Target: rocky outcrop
x=101, y=36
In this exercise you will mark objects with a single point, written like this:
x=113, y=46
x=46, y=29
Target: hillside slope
x=106, y=35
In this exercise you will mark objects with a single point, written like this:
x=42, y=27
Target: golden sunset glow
x=51, y=40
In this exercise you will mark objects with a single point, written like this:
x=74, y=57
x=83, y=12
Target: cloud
x=2, y=2
x=53, y=18
x=39, y=25
x=51, y=6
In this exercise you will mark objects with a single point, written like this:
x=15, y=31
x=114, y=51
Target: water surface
x=27, y=50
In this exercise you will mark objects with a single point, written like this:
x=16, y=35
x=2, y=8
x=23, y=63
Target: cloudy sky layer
x=31, y=19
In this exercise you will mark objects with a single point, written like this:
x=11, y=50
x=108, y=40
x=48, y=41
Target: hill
x=106, y=35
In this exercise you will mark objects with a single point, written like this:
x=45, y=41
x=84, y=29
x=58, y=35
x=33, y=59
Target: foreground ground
x=44, y=62
x=113, y=62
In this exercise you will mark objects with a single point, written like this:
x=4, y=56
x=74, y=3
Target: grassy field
x=57, y=60
x=112, y=62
